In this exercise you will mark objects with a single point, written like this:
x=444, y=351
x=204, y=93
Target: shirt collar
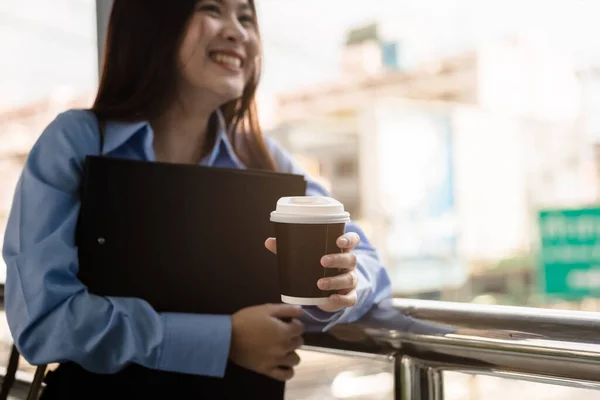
x=223, y=146
x=118, y=134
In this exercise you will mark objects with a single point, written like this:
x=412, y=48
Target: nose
x=234, y=32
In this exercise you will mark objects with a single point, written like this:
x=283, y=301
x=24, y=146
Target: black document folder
x=184, y=238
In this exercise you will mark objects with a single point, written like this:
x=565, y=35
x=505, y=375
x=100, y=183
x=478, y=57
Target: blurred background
x=461, y=134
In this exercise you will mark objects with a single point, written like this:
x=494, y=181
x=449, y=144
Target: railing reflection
x=427, y=338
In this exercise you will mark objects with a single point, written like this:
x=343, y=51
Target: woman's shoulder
x=283, y=159
x=58, y=154
x=73, y=132
x=72, y=123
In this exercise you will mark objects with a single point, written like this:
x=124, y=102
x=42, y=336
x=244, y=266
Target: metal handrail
x=425, y=338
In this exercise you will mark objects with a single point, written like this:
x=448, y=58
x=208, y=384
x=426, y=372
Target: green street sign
x=570, y=252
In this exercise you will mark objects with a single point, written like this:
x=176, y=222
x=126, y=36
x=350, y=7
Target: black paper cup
x=306, y=229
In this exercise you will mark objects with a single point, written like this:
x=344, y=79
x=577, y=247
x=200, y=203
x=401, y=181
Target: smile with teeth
x=227, y=60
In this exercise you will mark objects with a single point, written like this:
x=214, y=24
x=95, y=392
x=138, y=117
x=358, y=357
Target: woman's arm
x=374, y=284
x=51, y=314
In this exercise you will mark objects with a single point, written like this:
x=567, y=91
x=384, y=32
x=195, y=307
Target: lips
x=227, y=59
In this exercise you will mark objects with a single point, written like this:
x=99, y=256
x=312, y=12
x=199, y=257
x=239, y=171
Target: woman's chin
x=228, y=91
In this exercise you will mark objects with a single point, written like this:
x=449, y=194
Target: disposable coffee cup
x=306, y=229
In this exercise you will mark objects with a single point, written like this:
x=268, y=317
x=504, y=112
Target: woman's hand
x=345, y=283
x=262, y=340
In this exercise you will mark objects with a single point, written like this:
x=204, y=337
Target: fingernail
x=325, y=261
x=323, y=285
x=344, y=242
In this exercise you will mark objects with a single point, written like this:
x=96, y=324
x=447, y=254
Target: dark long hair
x=140, y=73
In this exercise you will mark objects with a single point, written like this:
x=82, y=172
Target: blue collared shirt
x=52, y=316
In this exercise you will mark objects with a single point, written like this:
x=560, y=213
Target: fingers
x=284, y=370
x=340, y=301
x=344, y=300
x=271, y=245
x=285, y=358
x=281, y=374
x=349, y=280
x=340, y=261
x=295, y=328
x=290, y=360
x=285, y=311
x=348, y=241
x=294, y=344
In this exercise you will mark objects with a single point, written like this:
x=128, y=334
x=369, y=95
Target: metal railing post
x=416, y=381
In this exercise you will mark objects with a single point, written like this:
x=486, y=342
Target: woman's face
x=220, y=48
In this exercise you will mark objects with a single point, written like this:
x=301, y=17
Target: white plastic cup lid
x=309, y=210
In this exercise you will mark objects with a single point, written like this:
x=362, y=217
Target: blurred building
x=49, y=64
x=382, y=139
x=445, y=162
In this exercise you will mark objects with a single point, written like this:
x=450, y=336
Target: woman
x=178, y=86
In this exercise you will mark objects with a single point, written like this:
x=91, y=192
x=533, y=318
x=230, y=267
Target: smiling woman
x=215, y=46
x=178, y=85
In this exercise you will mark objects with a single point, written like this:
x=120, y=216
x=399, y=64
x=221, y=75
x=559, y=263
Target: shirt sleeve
x=374, y=284
x=51, y=314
